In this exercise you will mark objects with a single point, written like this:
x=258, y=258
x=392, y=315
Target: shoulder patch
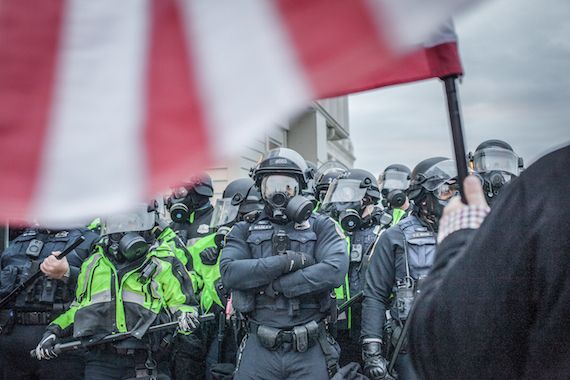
x=62, y=234
x=303, y=226
x=30, y=233
x=203, y=229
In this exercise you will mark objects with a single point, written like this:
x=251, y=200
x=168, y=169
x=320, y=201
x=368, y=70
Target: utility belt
x=26, y=318
x=111, y=348
x=301, y=337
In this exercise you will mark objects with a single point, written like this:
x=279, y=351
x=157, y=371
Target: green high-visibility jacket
x=397, y=215
x=109, y=300
x=206, y=276
x=342, y=293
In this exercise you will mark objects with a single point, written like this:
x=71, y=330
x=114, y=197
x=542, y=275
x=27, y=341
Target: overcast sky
x=516, y=59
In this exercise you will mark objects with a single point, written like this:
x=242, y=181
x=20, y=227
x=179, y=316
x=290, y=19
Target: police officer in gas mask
x=403, y=257
x=394, y=183
x=351, y=200
x=190, y=208
x=26, y=314
x=497, y=164
x=130, y=282
x=281, y=269
x=196, y=354
x=324, y=176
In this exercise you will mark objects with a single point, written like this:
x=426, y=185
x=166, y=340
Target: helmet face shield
x=446, y=191
x=394, y=180
x=224, y=212
x=138, y=219
x=279, y=184
x=439, y=173
x=345, y=191
x=496, y=159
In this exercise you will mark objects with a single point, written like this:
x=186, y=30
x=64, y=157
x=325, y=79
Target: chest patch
x=203, y=229
x=261, y=227
x=61, y=234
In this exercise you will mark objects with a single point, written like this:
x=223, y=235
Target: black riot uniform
x=23, y=322
x=403, y=256
x=282, y=269
x=191, y=210
x=351, y=201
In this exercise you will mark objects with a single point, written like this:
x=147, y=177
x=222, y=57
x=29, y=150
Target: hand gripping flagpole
x=456, y=131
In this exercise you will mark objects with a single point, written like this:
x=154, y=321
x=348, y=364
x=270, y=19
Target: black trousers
x=107, y=365
x=16, y=363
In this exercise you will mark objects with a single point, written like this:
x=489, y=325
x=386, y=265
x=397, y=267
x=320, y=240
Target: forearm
x=315, y=278
x=251, y=273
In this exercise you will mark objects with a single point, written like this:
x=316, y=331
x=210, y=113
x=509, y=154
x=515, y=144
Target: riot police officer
x=213, y=342
x=403, y=256
x=394, y=183
x=351, y=200
x=281, y=269
x=328, y=172
x=23, y=320
x=190, y=209
x=130, y=282
x=497, y=164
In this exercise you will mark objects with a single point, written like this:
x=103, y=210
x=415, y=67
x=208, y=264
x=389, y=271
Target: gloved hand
x=294, y=261
x=375, y=366
x=209, y=256
x=45, y=349
x=188, y=321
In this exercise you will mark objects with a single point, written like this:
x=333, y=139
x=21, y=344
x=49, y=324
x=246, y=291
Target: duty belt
x=301, y=337
x=34, y=317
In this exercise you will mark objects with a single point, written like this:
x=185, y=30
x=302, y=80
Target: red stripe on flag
x=29, y=39
x=435, y=62
x=342, y=51
x=337, y=42
x=176, y=140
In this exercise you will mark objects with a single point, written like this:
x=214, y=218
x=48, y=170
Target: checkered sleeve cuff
x=468, y=217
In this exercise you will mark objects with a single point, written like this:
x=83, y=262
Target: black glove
x=375, y=366
x=209, y=256
x=45, y=349
x=294, y=261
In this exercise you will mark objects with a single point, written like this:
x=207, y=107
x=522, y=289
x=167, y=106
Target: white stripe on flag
x=245, y=38
x=93, y=157
x=411, y=23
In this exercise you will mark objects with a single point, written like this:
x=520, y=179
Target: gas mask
x=183, y=202
x=493, y=182
x=393, y=198
x=431, y=207
x=343, y=202
x=282, y=199
x=128, y=246
x=128, y=234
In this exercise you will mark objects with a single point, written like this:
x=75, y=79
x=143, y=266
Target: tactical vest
x=23, y=258
x=197, y=226
x=418, y=256
x=302, y=238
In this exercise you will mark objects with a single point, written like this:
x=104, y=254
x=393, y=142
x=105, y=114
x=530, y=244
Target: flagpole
x=456, y=130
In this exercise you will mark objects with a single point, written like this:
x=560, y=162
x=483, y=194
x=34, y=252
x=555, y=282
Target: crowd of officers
x=296, y=272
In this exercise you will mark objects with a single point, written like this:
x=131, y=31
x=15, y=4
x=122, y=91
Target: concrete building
x=319, y=134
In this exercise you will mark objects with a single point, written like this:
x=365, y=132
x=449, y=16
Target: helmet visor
x=441, y=172
x=273, y=184
x=345, y=191
x=394, y=180
x=491, y=159
x=224, y=212
x=138, y=219
x=446, y=191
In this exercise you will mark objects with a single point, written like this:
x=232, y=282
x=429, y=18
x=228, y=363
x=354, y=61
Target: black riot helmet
x=282, y=175
x=240, y=198
x=433, y=183
x=128, y=235
x=497, y=164
x=349, y=195
x=328, y=172
x=190, y=196
x=394, y=184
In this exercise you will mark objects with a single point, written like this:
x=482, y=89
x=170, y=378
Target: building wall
x=319, y=134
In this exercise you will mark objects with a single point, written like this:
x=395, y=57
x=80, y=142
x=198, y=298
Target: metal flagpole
x=456, y=130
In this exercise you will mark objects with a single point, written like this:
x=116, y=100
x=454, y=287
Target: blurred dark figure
x=497, y=302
